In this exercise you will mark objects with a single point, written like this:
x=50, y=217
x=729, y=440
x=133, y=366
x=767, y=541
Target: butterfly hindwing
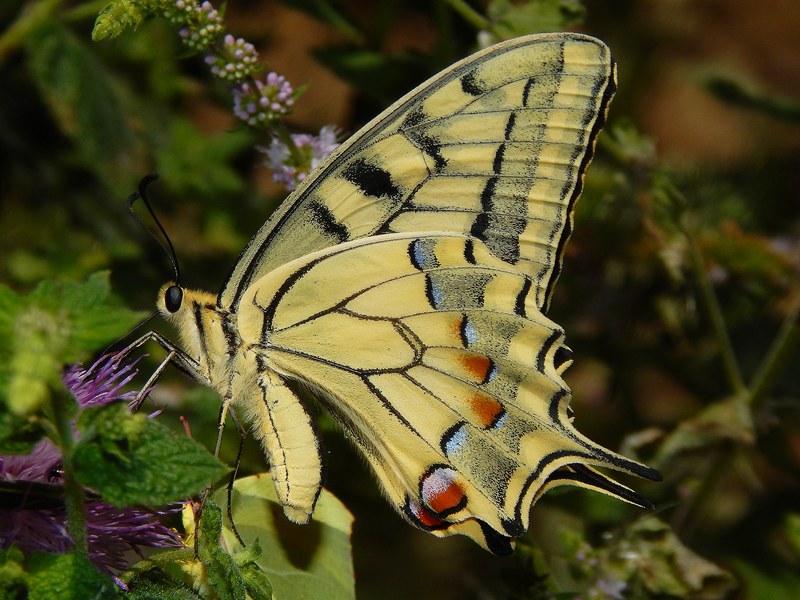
x=495, y=146
x=435, y=358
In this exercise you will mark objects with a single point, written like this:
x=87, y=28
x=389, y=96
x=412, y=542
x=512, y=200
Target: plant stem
x=714, y=312
x=780, y=351
x=470, y=15
x=73, y=491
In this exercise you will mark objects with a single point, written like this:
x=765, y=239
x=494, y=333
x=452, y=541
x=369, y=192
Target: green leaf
x=535, y=16
x=131, y=459
x=86, y=106
x=791, y=526
x=666, y=566
x=12, y=573
x=69, y=576
x=177, y=574
x=120, y=15
x=18, y=435
x=58, y=323
x=185, y=147
x=301, y=561
x=779, y=583
x=154, y=584
x=721, y=421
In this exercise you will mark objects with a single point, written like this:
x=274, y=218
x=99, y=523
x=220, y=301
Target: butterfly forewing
x=495, y=146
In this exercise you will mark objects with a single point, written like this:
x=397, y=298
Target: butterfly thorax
x=208, y=334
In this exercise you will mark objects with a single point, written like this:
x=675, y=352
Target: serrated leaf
x=130, y=459
x=154, y=584
x=120, y=15
x=69, y=576
x=58, y=323
x=301, y=561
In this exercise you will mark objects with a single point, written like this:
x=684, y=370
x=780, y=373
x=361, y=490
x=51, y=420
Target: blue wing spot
x=469, y=334
x=454, y=438
x=434, y=293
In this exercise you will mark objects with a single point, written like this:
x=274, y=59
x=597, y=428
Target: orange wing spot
x=486, y=408
x=455, y=328
x=447, y=499
x=478, y=366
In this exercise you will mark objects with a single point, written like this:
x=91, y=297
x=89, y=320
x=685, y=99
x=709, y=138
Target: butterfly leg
x=175, y=356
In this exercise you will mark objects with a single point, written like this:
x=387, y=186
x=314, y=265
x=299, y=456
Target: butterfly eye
x=173, y=298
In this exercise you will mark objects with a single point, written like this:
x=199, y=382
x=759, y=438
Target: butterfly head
x=195, y=315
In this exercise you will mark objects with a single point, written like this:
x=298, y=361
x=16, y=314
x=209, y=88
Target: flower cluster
x=257, y=103
x=38, y=521
x=236, y=60
x=201, y=24
x=292, y=165
x=260, y=103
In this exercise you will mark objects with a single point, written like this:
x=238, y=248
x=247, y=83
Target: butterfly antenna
x=163, y=241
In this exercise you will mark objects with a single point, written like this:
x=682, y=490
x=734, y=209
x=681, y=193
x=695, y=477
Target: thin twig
x=714, y=313
x=776, y=358
x=470, y=15
x=73, y=491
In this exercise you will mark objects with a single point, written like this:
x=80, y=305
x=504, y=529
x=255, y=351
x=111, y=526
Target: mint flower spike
x=236, y=60
x=263, y=102
x=38, y=520
x=102, y=382
x=291, y=166
x=201, y=24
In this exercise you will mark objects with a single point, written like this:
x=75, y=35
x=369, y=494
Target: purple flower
x=292, y=168
x=38, y=524
x=102, y=382
x=608, y=589
x=200, y=24
x=264, y=101
x=39, y=466
x=235, y=61
x=35, y=518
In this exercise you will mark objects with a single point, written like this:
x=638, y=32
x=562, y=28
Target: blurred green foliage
x=680, y=294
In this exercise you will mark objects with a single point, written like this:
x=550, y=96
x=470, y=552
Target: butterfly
x=405, y=283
